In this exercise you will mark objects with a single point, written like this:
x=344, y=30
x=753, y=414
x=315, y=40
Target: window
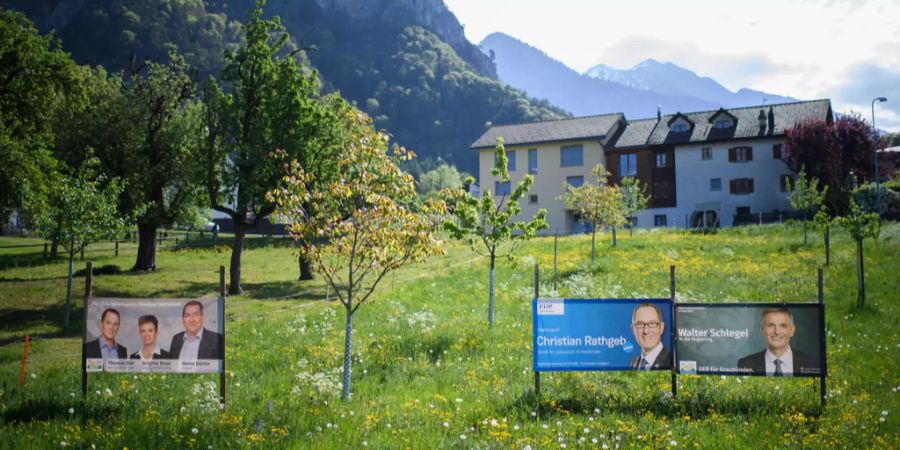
x=679, y=128
x=571, y=156
x=661, y=160
x=740, y=154
x=722, y=124
x=784, y=179
x=627, y=165
x=576, y=181
x=501, y=188
x=715, y=184
x=741, y=186
x=706, y=153
x=511, y=157
x=660, y=189
x=776, y=152
x=659, y=220
x=532, y=160
x=743, y=211
x=532, y=199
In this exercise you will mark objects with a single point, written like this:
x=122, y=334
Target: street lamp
x=875, y=153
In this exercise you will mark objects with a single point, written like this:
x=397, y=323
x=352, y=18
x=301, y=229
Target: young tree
x=272, y=104
x=860, y=225
x=833, y=153
x=633, y=198
x=364, y=221
x=804, y=196
x=823, y=221
x=81, y=210
x=486, y=224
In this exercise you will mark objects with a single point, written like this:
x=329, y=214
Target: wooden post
x=88, y=287
x=760, y=217
x=117, y=247
x=222, y=317
x=674, y=330
x=555, y=243
x=822, y=353
x=45, y=251
x=82, y=253
x=537, y=293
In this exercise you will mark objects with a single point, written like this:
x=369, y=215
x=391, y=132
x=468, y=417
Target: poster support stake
x=537, y=374
x=88, y=288
x=222, y=321
x=823, y=339
x=674, y=327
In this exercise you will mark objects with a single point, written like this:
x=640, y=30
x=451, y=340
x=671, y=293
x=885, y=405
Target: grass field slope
x=427, y=372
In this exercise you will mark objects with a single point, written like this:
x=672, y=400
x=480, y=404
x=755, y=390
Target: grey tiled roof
x=785, y=115
x=550, y=131
x=635, y=134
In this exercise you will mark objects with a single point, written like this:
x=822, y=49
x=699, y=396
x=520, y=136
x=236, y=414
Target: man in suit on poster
x=778, y=359
x=648, y=327
x=106, y=346
x=196, y=342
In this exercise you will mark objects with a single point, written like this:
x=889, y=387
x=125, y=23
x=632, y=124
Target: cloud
x=867, y=81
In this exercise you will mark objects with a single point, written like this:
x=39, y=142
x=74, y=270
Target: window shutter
x=749, y=185
x=749, y=153
x=731, y=155
x=732, y=186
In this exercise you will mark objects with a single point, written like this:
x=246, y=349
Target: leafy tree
x=634, y=198
x=824, y=222
x=272, y=104
x=34, y=75
x=860, y=225
x=804, y=196
x=485, y=224
x=443, y=177
x=81, y=210
x=364, y=221
x=834, y=153
x=599, y=204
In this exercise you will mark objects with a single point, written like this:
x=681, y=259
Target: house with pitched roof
x=708, y=168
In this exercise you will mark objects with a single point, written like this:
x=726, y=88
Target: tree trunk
x=146, y=253
x=630, y=230
x=348, y=340
x=54, y=247
x=827, y=247
x=614, y=236
x=860, y=275
x=804, y=232
x=236, y=250
x=69, y=290
x=491, y=297
x=593, y=243
x=305, y=268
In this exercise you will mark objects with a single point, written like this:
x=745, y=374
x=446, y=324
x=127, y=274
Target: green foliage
x=860, y=225
x=634, y=197
x=600, y=204
x=363, y=223
x=34, y=76
x=867, y=199
x=443, y=177
x=804, y=193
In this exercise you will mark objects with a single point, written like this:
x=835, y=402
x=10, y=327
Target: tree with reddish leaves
x=836, y=153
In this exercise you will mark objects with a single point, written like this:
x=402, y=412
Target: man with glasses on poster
x=778, y=359
x=648, y=327
x=106, y=346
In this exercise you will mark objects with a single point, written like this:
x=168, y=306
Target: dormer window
x=680, y=127
x=722, y=124
x=679, y=123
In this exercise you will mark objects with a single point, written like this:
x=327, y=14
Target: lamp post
x=875, y=154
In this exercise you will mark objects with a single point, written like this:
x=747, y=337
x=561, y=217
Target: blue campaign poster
x=601, y=334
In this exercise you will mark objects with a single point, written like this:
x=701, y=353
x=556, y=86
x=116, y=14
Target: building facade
x=709, y=168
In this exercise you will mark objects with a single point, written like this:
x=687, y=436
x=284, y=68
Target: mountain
x=405, y=62
x=670, y=79
x=636, y=92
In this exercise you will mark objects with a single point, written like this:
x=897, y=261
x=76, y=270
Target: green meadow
x=427, y=371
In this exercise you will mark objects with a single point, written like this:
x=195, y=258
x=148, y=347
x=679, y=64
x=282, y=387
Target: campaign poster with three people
x=154, y=335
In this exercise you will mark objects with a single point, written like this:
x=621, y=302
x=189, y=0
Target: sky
x=848, y=51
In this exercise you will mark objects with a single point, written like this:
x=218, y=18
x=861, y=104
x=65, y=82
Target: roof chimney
x=762, y=119
x=658, y=113
x=771, y=120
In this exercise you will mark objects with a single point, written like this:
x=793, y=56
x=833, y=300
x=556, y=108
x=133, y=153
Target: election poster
x=154, y=335
x=760, y=339
x=602, y=334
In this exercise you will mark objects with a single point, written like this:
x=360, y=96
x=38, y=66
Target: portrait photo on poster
x=154, y=335
x=762, y=339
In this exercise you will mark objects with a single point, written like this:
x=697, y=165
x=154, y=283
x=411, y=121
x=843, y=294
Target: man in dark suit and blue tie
x=648, y=327
x=196, y=342
x=778, y=359
x=106, y=346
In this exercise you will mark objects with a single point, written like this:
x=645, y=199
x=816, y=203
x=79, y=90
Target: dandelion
x=365, y=443
x=446, y=424
x=71, y=410
x=673, y=443
x=108, y=391
x=884, y=413
x=462, y=437
x=62, y=443
x=493, y=422
x=194, y=430
x=526, y=447
x=459, y=400
x=533, y=414
x=33, y=376
x=516, y=427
